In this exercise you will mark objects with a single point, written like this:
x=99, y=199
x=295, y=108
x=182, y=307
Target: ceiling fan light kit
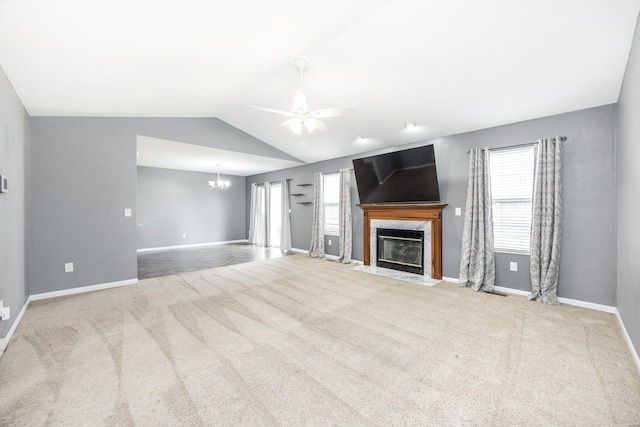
x=302, y=120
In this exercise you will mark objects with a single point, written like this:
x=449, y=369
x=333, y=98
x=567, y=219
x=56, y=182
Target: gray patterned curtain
x=546, y=226
x=477, y=261
x=285, y=220
x=317, y=227
x=344, y=216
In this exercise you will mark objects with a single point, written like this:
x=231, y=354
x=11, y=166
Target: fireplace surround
x=419, y=216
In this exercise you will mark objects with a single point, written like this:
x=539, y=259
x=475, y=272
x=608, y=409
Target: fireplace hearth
x=401, y=250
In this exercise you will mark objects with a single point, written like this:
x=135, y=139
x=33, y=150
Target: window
x=512, y=193
x=331, y=197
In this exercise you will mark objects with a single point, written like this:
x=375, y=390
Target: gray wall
x=14, y=160
x=83, y=177
x=172, y=203
x=588, y=263
x=628, y=171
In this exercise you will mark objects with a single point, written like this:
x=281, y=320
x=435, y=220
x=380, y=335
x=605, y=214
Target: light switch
x=513, y=266
x=458, y=211
x=127, y=212
x=68, y=267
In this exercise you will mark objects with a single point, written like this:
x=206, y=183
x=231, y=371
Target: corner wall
x=628, y=188
x=14, y=162
x=588, y=260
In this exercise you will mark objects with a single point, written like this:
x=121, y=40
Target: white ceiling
x=166, y=154
x=449, y=66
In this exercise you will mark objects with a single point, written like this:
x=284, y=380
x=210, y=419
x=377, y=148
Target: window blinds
x=331, y=198
x=512, y=191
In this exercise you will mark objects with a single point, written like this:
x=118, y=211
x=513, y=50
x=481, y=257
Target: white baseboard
x=4, y=342
x=585, y=304
x=194, y=245
x=562, y=300
x=327, y=256
x=511, y=291
x=82, y=289
x=627, y=338
x=306, y=252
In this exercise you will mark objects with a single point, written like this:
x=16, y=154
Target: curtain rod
x=271, y=182
x=326, y=173
x=562, y=138
x=291, y=179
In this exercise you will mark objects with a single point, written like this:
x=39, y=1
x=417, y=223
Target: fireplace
x=401, y=250
x=426, y=217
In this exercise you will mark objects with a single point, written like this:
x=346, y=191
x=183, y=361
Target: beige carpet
x=298, y=341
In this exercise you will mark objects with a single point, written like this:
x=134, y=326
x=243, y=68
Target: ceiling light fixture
x=409, y=125
x=219, y=184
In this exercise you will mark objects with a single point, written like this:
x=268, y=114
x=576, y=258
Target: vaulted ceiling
x=448, y=66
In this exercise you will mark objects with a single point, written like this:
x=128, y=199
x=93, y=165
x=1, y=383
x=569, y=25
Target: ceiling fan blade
x=294, y=124
x=271, y=110
x=331, y=112
x=284, y=124
x=311, y=124
x=299, y=100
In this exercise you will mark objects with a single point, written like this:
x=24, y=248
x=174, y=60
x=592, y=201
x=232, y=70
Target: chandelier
x=219, y=184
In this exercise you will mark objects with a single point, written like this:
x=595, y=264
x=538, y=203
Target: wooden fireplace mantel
x=416, y=212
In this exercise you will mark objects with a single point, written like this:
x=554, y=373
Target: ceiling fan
x=302, y=120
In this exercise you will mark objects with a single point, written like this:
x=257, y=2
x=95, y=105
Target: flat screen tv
x=407, y=176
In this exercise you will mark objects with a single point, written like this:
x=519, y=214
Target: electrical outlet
x=127, y=212
x=68, y=267
x=6, y=313
x=513, y=266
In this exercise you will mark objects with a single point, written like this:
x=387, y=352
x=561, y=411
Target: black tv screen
x=407, y=176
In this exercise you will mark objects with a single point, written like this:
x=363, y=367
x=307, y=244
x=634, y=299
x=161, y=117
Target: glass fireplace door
x=401, y=250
